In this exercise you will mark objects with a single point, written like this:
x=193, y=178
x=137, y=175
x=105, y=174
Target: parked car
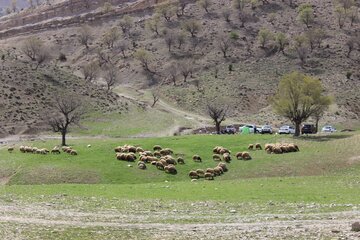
x=308, y=129
x=230, y=129
x=251, y=127
x=286, y=130
x=328, y=129
x=266, y=129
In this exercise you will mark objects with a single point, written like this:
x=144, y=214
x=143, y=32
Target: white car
x=266, y=129
x=328, y=129
x=286, y=130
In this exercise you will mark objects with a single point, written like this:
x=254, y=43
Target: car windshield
x=284, y=127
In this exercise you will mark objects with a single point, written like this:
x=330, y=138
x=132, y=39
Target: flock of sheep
x=44, y=151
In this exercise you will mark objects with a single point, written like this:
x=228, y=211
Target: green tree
x=192, y=26
x=298, y=97
x=341, y=16
x=306, y=14
x=282, y=41
x=264, y=36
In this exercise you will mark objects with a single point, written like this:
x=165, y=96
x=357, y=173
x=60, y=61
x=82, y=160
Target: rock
x=232, y=211
x=335, y=231
x=355, y=227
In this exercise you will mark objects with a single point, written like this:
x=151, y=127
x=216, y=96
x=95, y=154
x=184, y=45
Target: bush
x=62, y=57
x=348, y=75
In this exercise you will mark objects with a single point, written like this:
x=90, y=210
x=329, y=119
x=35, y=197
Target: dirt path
x=261, y=226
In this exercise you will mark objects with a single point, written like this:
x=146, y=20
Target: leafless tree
x=350, y=43
x=217, y=114
x=155, y=97
x=182, y=4
x=167, y=11
x=153, y=24
x=67, y=110
x=224, y=44
x=192, y=26
x=226, y=13
x=90, y=71
x=173, y=72
x=126, y=24
x=144, y=57
x=185, y=68
x=169, y=39
x=13, y=5
x=111, y=77
x=31, y=47
x=85, y=35
x=244, y=17
x=205, y=4
x=180, y=38
x=110, y=37
x=42, y=56
x=122, y=46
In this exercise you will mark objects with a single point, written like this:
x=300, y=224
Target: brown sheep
x=157, y=148
x=157, y=154
x=180, y=160
x=130, y=157
x=210, y=170
x=151, y=159
x=209, y=176
x=238, y=155
x=246, y=156
x=10, y=149
x=223, y=150
x=277, y=150
x=147, y=153
x=139, y=150
x=142, y=166
x=227, y=157
x=258, y=146
x=200, y=172
x=118, y=149
x=153, y=163
x=251, y=147
x=159, y=165
x=218, y=170
x=131, y=149
x=193, y=175
x=22, y=149
x=216, y=157
x=196, y=158
x=223, y=166
x=216, y=149
x=55, y=151
x=170, y=169
x=73, y=152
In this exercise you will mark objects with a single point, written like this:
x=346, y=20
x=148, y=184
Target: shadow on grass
x=324, y=138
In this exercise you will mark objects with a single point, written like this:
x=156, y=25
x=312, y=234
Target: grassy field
x=94, y=196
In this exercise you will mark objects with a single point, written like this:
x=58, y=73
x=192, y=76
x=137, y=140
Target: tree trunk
x=217, y=126
x=317, y=124
x=63, y=138
x=297, y=129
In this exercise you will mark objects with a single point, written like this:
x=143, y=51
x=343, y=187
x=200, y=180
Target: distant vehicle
x=251, y=127
x=286, y=130
x=230, y=129
x=328, y=129
x=308, y=129
x=266, y=129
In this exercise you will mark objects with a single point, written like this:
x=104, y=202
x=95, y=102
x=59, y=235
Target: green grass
x=319, y=156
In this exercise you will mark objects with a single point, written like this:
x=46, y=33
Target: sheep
x=193, y=175
x=139, y=150
x=73, y=152
x=210, y=170
x=163, y=162
x=130, y=157
x=159, y=165
x=170, y=160
x=157, y=148
x=131, y=149
x=216, y=149
x=170, y=169
x=216, y=157
x=218, y=170
x=10, y=149
x=224, y=150
x=166, y=151
x=258, y=146
x=239, y=156
x=196, y=158
x=223, y=166
x=157, y=154
x=153, y=163
x=142, y=166
x=277, y=150
x=121, y=156
x=227, y=157
x=209, y=176
x=150, y=159
x=200, y=172
x=251, y=147
x=180, y=160
x=88, y=146
x=148, y=153
x=22, y=149
x=246, y=156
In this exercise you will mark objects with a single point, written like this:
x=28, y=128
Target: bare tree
x=205, y=4
x=180, y=38
x=301, y=48
x=31, y=47
x=185, y=68
x=153, y=24
x=217, y=114
x=144, y=57
x=341, y=16
x=167, y=11
x=111, y=77
x=110, y=37
x=155, y=97
x=169, y=40
x=182, y=4
x=351, y=45
x=192, y=26
x=173, y=72
x=67, y=110
x=240, y=4
x=315, y=37
x=224, y=44
x=353, y=14
x=90, y=71
x=244, y=17
x=42, y=56
x=85, y=35
x=122, y=46
x=126, y=24
x=226, y=13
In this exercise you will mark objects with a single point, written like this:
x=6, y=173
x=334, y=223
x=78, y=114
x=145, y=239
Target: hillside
x=255, y=71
